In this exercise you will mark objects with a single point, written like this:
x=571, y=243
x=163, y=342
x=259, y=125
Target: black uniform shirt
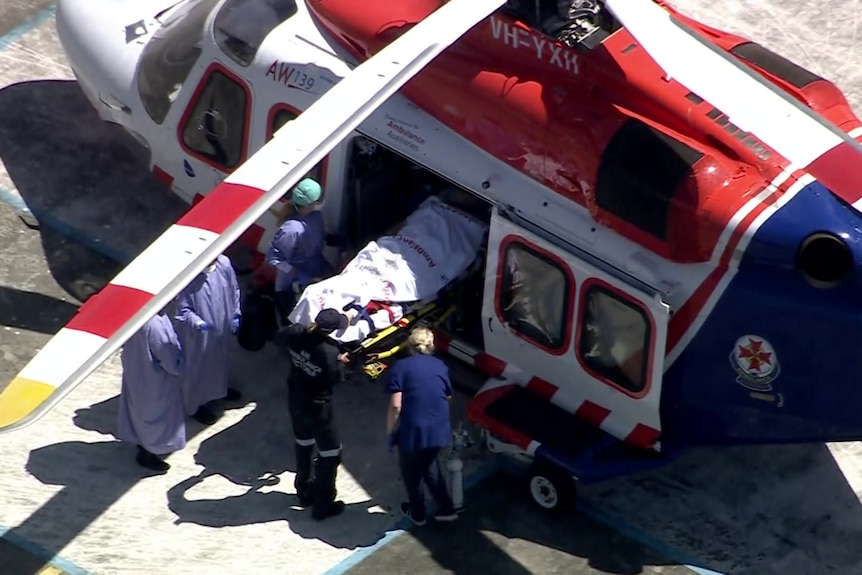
x=314, y=363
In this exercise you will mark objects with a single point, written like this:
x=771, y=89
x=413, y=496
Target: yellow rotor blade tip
x=20, y=398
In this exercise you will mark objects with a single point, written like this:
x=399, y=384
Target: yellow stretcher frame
x=372, y=364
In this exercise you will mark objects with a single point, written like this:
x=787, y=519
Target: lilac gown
x=151, y=401
x=212, y=297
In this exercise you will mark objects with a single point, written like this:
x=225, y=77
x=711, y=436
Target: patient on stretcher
x=436, y=244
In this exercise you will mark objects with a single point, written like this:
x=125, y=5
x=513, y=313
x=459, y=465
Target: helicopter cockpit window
x=615, y=339
x=169, y=57
x=215, y=129
x=242, y=25
x=534, y=296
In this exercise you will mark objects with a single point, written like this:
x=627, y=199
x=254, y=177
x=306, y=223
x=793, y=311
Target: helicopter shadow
x=788, y=509
x=74, y=173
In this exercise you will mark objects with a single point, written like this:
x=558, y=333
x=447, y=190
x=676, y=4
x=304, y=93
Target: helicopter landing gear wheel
x=550, y=489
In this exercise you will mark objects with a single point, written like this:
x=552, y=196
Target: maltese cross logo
x=755, y=363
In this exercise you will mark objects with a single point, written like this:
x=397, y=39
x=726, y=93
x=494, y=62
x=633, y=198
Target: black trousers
x=284, y=302
x=314, y=426
x=416, y=466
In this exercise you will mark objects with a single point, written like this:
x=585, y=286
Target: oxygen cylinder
x=455, y=468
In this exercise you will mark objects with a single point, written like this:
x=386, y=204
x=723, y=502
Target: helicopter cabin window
x=241, y=26
x=534, y=295
x=169, y=57
x=280, y=117
x=640, y=171
x=614, y=339
x=216, y=127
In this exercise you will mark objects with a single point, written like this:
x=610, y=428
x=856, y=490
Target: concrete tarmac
x=70, y=490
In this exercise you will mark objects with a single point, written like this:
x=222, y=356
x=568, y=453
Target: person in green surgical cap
x=296, y=250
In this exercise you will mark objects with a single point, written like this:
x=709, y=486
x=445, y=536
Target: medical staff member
x=151, y=400
x=418, y=417
x=315, y=369
x=296, y=250
x=207, y=314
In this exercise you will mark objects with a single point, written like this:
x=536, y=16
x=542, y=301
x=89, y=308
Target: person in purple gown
x=151, y=412
x=207, y=315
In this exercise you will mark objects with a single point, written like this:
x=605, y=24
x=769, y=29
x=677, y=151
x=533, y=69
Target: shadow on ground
x=502, y=533
x=71, y=167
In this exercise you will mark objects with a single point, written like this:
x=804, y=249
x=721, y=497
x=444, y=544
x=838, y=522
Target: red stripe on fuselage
x=686, y=316
x=106, y=312
x=643, y=436
x=838, y=170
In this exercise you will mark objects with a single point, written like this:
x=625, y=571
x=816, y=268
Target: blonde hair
x=421, y=340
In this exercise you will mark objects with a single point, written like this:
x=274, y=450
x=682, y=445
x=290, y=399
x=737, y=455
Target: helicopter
x=662, y=219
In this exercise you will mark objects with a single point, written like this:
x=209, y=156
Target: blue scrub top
x=298, y=244
x=423, y=381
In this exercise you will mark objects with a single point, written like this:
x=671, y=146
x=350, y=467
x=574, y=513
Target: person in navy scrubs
x=418, y=424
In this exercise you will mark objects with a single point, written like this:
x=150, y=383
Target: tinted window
x=279, y=119
x=774, y=64
x=216, y=127
x=534, y=296
x=640, y=172
x=615, y=339
x=242, y=25
x=169, y=57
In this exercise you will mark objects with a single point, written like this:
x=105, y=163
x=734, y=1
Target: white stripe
x=494, y=383
x=747, y=98
x=733, y=266
x=532, y=447
x=165, y=259
x=746, y=209
x=61, y=356
x=513, y=372
x=620, y=424
x=855, y=132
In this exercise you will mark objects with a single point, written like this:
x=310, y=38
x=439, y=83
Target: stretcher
x=398, y=282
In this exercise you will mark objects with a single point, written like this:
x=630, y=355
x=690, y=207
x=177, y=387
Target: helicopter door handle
x=490, y=325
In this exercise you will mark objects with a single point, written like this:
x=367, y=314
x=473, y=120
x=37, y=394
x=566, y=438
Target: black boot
x=151, y=461
x=325, y=470
x=304, y=481
x=233, y=394
x=206, y=415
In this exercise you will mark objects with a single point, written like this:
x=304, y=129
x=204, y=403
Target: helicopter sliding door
x=576, y=334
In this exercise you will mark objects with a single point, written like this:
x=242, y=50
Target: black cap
x=329, y=320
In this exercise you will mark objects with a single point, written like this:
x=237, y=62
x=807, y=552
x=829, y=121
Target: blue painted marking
x=14, y=200
x=41, y=552
x=34, y=21
x=49, y=220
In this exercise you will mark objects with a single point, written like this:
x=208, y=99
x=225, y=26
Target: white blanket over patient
x=436, y=245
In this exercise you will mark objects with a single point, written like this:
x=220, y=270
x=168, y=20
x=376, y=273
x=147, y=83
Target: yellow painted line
x=20, y=398
x=51, y=570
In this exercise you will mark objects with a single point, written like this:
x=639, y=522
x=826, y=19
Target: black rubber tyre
x=550, y=488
